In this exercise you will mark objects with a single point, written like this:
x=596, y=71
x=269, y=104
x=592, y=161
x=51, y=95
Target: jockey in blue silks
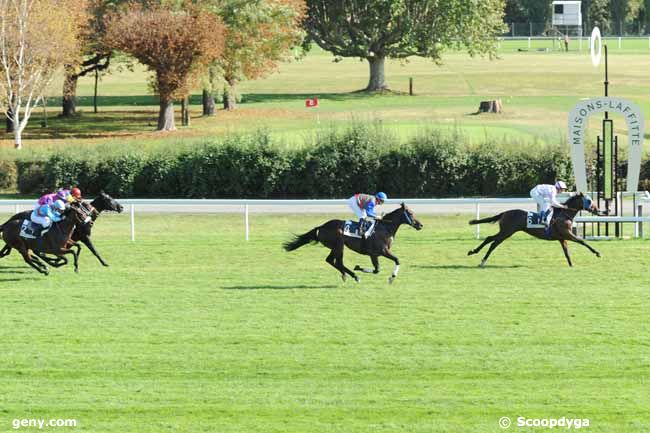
x=46, y=214
x=363, y=206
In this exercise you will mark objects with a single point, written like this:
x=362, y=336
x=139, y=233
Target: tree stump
x=493, y=106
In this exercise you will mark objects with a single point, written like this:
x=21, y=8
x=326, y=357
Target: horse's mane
x=573, y=198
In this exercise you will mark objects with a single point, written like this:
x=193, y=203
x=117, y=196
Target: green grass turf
x=537, y=89
x=192, y=329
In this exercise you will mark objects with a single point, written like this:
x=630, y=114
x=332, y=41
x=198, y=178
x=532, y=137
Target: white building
x=567, y=13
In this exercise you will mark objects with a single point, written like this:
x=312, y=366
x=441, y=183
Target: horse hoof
x=597, y=254
x=470, y=252
x=357, y=279
x=344, y=277
x=357, y=268
x=391, y=279
x=105, y=265
x=482, y=265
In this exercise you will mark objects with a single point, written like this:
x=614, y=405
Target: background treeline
x=336, y=163
x=612, y=16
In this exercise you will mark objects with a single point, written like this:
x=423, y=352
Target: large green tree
x=599, y=15
x=378, y=29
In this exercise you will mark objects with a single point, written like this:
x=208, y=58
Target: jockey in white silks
x=546, y=198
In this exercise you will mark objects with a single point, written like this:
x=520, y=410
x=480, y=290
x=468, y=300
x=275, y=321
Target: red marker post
x=313, y=103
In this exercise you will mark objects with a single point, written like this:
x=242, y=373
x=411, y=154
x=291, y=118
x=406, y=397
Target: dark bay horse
x=103, y=202
x=331, y=236
x=56, y=241
x=513, y=221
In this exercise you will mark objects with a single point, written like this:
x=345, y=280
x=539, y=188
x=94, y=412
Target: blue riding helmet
x=586, y=202
x=382, y=196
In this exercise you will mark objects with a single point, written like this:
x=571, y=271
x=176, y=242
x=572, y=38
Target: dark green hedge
x=337, y=164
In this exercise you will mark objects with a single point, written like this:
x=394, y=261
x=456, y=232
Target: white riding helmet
x=560, y=185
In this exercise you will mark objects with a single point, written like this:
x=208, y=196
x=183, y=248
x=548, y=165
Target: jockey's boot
x=547, y=222
x=362, y=227
x=38, y=230
x=368, y=232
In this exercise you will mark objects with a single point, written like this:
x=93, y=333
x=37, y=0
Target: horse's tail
x=491, y=219
x=300, y=240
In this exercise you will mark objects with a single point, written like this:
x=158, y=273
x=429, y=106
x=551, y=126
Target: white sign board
x=578, y=118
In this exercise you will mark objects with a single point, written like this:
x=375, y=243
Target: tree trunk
x=166, y=116
x=208, y=103
x=185, y=111
x=18, y=136
x=95, y=94
x=493, y=106
x=69, y=95
x=230, y=96
x=377, y=76
x=9, y=125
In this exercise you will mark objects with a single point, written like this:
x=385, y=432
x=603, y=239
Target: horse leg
x=87, y=242
x=331, y=259
x=341, y=266
x=571, y=237
x=499, y=238
x=480, y=247
x=36, y=265
x=5, y=251
x=389, y=255
x=75, y=255
x=56, y=262
x=375, y=263
x=565, y=248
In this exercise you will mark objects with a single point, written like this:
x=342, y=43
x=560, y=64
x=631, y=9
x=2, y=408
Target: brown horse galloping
x=331, y=236
x=103, y=202
x=513, y=221
x=56, y=241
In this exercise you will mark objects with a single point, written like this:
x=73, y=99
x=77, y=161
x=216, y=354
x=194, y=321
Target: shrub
x=340, y=163
x=31, y=177
x=8, y=175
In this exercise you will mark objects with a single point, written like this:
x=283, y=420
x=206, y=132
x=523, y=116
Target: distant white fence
x=244, y=206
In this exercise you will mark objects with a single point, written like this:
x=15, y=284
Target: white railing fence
x=244, y=206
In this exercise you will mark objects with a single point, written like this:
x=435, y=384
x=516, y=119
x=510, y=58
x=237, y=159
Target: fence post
x=478, y=216
x=246, y=220
x=639, y=213
x=619, y=42
x=411, y=86
x=529, y=43
x=132, y=223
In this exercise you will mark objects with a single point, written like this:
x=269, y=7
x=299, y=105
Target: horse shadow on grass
x=14, y=270
x=466, y=266
x=278, y=287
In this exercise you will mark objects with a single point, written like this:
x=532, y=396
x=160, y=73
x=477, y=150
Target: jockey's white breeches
x=543, y=203
x=360, y=213
x=45, y=221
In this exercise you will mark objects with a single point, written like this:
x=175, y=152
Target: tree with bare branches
x=175, y=44
x=37, y=37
